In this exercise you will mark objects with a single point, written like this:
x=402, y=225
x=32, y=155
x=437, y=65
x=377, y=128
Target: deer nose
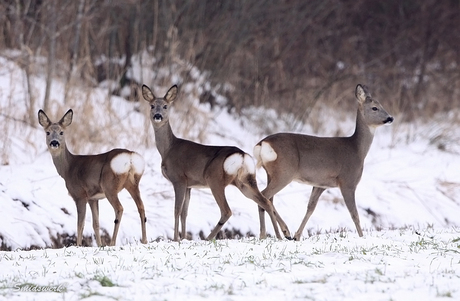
x=54, y=144
x=388, y=120
x=157, y=117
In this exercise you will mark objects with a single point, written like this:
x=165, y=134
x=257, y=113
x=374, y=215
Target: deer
x=89, y=178
x=322, y=162
x=188, y=165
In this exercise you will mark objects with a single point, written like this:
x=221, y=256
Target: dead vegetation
x=288, y=55
x=295, y=57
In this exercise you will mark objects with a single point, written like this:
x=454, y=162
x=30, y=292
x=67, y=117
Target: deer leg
x=274, y=185
x=263, y=231
x=225, y=211
x=250, y=190
x=133, y=190
x=94, y=206
x=314, y=197
x=118, y=208
x=179, y=191
x=349, y=198
x=184, y=212
x=266, y=205
x=282, y=224
x=81, y=213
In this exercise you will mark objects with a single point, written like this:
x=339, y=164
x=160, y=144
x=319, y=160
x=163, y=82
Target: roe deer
x=187, y=165
x=322, y=162
x=93, y=177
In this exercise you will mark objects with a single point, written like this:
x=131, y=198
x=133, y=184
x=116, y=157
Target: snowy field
x=385, y=265
x=411, y=183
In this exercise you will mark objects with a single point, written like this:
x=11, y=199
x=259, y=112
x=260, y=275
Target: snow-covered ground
x=411, y=180
x=385, y=265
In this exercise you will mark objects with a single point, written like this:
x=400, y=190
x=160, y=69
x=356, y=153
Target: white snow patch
x=386, y=265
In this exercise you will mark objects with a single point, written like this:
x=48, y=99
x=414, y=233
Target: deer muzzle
x=157, y=118
x=54, y=144
x=388, y=120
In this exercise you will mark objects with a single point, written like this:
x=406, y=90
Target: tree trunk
x=76, y=45
x=51, y=53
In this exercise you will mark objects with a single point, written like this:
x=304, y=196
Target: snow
x=411, y=183
x=385, y=265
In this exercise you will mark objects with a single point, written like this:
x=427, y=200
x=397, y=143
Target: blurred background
x=245, y=69
x=287, y=55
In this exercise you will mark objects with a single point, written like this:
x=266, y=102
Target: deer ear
x=66, y=120
x=171, y=94
x=147, y=93
x=361, y=93
x=43, y=120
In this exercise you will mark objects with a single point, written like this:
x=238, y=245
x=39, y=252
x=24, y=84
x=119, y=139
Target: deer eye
x=165, y=107
x=47, y=133
x=375, y=109
x=61, y=133
x=152, y=107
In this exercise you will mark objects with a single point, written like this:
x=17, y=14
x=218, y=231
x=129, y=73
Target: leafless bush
x=287, y=55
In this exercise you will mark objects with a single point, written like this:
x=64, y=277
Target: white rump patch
x=233, y=163
x=124, y=162
x=249, y=164
x=256, y=153
x=267, y=153
x=137, y=163
x=121, y=163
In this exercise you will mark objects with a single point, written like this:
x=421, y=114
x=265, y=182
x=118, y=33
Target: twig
x=18, y=120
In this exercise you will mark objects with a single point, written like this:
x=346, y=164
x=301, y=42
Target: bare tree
x=51, y=52
x=76, y=47
x=303, y=52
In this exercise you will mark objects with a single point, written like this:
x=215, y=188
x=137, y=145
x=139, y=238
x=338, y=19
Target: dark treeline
x=284, y=54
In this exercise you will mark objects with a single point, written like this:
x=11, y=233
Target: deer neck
x=164, y=138
x=62, y=161
x=363, y=136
